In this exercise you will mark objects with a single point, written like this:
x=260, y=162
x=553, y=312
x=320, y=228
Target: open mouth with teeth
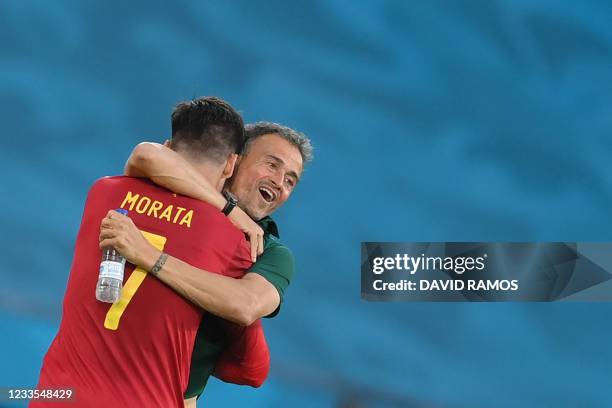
x=267, y=194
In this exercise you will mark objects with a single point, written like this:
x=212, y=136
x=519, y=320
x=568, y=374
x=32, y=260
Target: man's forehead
x=275, y=147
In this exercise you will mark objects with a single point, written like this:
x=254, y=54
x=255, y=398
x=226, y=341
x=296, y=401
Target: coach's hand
x=119, y=232
x=253, y=231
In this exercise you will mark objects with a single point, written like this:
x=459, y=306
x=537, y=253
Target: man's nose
x=277, y=178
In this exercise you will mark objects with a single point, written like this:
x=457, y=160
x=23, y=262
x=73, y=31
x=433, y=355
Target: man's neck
x=211, y=172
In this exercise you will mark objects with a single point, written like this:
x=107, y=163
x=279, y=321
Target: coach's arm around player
x=241, y=301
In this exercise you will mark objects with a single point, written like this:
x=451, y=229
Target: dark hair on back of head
x=207, y=128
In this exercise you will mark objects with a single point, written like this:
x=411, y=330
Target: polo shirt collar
x=269, y=226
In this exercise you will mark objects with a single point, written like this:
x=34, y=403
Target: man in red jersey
x=137, y=351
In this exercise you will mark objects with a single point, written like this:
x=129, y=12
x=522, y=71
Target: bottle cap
x=122, y=211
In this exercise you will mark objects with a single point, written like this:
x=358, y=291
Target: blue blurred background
x=432, y=121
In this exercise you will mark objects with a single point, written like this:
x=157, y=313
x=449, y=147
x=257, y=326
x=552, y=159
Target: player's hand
x=253, y=231
x=119, y=232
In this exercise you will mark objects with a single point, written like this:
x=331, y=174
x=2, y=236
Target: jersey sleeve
x=232, y=353
x=246, y=359
x=276, y=265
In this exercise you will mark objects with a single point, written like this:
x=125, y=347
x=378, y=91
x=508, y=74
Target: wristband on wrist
x=231, y=202
x=159, y=264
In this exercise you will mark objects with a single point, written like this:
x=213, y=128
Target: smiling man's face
x=266, y=175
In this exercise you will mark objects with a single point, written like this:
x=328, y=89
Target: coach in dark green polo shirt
x=270, y=167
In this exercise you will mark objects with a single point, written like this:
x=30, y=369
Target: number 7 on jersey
x=131, y=286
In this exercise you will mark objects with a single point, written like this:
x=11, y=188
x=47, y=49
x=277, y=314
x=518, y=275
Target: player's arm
x=246, y=359
x=241, y=301
x=232, y=353
x=168, y=169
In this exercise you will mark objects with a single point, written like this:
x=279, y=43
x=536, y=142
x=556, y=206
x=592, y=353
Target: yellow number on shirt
x=131, y=286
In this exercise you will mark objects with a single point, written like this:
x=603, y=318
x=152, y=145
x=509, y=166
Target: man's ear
x=230, y=165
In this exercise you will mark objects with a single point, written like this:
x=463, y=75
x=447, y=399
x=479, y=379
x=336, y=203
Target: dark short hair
x=207, y=127
x=298, y=139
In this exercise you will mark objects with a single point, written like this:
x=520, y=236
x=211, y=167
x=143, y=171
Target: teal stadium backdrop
x=433, y=121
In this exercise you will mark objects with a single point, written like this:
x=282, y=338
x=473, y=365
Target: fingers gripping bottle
x=110, y=279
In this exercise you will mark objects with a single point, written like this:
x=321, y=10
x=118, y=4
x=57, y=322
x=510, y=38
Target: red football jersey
x=246, y=359
x=136, y=352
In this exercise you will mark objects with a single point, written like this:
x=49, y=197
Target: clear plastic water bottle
x=110, y=279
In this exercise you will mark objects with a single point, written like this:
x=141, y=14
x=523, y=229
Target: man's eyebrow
x=280, y=161
x=275, y=158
